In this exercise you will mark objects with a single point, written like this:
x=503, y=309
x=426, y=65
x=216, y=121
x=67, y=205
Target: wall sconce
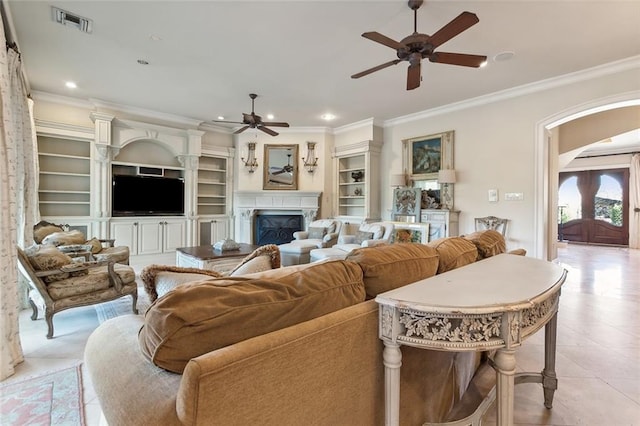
x=311, y=161
x=398, y=181
x=446, y=178
x=251, y=163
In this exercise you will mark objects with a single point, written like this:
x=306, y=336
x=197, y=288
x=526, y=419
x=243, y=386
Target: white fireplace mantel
x=247, y=204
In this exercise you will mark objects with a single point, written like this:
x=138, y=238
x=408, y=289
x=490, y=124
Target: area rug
x=122, y=306
x=49, y=399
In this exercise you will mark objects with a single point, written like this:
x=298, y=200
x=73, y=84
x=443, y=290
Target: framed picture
x=281, y=167
x=410, y=233
x=406, y=204
x=425, y=155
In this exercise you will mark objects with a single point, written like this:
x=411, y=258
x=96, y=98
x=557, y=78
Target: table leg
x=549, y=378
x=392, y=358
x=505, y=364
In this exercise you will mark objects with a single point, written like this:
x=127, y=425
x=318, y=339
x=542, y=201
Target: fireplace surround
x=248, y=205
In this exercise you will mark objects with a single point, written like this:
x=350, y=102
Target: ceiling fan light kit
x=254, y=121
x=416, y=47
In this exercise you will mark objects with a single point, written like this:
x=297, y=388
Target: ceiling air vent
x=67, y=18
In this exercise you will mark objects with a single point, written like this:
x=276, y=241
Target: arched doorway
x=594, y=206
x=546, y=168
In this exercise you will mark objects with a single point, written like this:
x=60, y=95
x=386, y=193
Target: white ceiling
x=298, y=56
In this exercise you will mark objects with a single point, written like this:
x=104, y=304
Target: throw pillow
x=96, y=245
x=454, y=252
x=489, y=243
x=317, y=233
x=270, y=254
x=196, y=318
x=378, y=230
x=363, y=236
x=44, y=228
x=64, y=238
x=391, y=266
x=149, y=275
x=47, y=258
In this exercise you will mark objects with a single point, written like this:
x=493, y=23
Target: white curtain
x=634, y=199
x=18, y=197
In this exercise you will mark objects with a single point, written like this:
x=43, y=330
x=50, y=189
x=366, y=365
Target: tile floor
x=598, y=352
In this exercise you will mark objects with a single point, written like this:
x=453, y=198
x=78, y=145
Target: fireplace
x=276, y=228
x=251, y=206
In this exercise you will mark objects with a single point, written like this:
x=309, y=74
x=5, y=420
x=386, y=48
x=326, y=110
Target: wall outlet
x=513, y=196
x=493, y=195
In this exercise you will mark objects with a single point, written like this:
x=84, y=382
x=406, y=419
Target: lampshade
x=447, y=176
x=398, y=180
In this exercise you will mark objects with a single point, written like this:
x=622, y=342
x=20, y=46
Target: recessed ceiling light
x=154, y=37
x=504, y=56
x=143, y=62
x=327, y=117
x=270, y=117
x=71, y=85
x=220, y=117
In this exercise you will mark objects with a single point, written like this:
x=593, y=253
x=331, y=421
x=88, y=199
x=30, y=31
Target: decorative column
x=100, y=185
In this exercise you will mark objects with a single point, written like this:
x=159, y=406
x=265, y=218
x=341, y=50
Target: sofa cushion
x=96, y=245
x=454, y=252
x=159, y=279
x=488, y=242
x=64, y=238
x=95, y=279
x=392, y=266
x=197, y=318
x=46, y=258
x=362, y=236
x=378, y=230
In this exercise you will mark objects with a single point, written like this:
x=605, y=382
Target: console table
x=493, y=304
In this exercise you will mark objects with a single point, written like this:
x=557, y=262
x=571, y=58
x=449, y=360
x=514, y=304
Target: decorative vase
x=357, y=175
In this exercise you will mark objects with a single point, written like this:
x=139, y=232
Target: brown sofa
x=324, y=370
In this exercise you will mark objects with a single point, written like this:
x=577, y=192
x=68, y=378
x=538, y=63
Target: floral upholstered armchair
x=57, y=282
x=72, y=241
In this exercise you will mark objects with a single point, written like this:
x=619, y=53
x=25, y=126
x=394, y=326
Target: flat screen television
x=147, y=196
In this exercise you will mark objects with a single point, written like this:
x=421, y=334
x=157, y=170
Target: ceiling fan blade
x=461, y=59
x=382, y=39
x=275, y=124
x=453, y=28
x=413, y=76
x=225, y=121
x=240, y=130
x=374, y=69
x=269, y=131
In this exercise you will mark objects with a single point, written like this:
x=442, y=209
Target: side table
x=493, y=304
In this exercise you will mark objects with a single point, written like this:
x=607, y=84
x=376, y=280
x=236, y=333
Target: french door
x=594, y=206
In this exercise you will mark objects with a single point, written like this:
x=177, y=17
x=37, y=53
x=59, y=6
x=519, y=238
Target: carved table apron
x=495, y=303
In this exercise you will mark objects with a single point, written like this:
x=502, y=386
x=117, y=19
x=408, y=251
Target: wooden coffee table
x=206, y=257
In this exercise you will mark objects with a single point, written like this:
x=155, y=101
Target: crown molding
x=550, y=83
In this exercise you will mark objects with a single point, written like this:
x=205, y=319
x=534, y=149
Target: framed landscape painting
x=425, y=155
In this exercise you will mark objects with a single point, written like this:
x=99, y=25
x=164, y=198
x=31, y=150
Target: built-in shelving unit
x=357, y=188
x=212, y=185
x=65, y=176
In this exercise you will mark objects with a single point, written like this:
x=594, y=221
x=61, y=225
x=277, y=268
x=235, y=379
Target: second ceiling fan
x=417, y=46
x=254, y=121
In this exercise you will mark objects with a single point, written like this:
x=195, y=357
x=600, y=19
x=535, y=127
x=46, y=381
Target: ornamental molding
x=462, y=329
x=532, y=316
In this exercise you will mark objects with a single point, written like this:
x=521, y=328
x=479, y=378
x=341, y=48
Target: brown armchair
x=57, y=283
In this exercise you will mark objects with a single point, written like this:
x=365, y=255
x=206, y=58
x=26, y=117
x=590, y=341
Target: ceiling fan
x=417, y=46
x=253, y=121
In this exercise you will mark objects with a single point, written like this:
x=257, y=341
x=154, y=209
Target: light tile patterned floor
x=598, y=354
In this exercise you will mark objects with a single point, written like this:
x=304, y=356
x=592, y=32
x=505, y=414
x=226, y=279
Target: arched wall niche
x=152, y=151
x=546, y=157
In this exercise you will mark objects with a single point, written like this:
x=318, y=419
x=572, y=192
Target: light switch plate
x=493, y=195
x=513, y=196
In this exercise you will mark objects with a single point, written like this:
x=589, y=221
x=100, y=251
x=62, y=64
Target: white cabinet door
x=173, y=235
x=125, y=234
x=212, y=230
x=150, y=237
